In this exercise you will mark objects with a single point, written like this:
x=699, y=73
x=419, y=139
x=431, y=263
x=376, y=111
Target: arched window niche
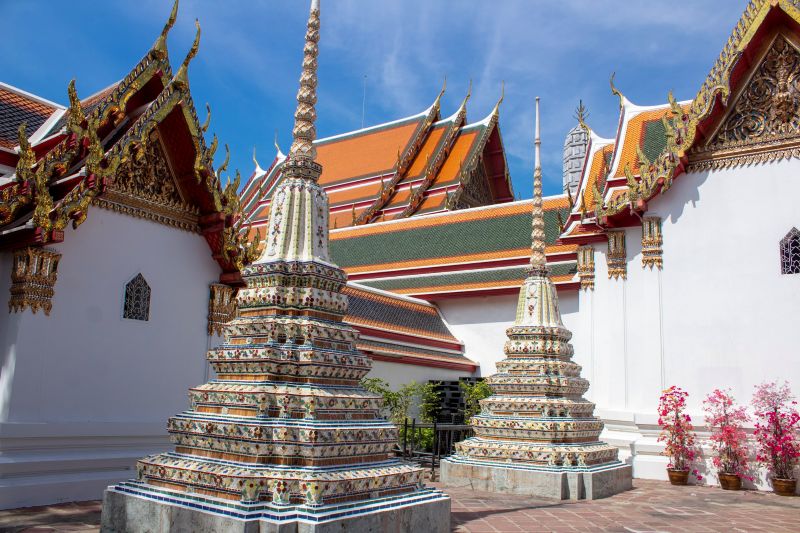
x=137, y=299
x=790, y=252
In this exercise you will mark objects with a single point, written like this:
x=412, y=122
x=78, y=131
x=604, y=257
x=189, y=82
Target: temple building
x=674, y=248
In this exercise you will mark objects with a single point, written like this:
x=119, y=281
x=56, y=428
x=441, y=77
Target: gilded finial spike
x=581, y=114
x=160, y=46
x=616, y=91
x=182, y=76
x=207, y=123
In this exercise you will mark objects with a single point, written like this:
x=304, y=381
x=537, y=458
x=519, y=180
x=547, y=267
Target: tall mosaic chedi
x=536, y=434
x=284, y=439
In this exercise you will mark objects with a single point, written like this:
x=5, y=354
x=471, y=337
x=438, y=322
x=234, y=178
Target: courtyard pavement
x=652, y=506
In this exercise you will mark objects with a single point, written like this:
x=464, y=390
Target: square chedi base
x=134, y=507
x=555, y=483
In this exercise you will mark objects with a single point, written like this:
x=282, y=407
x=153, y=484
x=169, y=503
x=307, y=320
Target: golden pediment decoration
x=763, y=124
x=144, y=186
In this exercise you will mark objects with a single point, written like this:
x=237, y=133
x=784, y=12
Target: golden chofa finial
x=616, y=91
x=159, y=49
x=469, y=94
x=496, y=110
x=182, y=78
x=441, y=93
x=581, y=114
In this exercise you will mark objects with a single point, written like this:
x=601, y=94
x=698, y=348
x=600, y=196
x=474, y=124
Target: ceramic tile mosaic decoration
x=536, y=434
x=284, y=439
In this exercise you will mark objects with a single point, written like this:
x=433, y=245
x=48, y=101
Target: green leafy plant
x=473, y=394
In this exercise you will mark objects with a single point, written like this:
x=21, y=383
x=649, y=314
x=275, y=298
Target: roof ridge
x=368, y=129
x=389, y=294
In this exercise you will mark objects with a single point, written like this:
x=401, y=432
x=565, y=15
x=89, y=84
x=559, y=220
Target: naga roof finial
x=75, y=117
x=305, y=116
x=538, y=257
x=160, y=46
x=182, y=77
x=616, y=91
x=496, y=110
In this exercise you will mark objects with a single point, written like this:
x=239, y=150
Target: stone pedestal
x=137, y=508
x=555, y=483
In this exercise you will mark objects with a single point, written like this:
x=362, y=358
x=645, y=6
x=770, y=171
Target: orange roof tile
x=427, y=150
x=363, y=155
x=597, y=171
x=367, y=191
x=458, y=155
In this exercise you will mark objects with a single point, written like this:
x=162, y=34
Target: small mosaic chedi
x=537, y=416
x=286, y=431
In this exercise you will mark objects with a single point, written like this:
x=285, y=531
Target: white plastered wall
x=84, y=392
x=720, y=313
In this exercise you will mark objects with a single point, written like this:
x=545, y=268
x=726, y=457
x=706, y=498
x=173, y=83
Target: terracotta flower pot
x=784, y=487
x=730, y=481
x=678, y=477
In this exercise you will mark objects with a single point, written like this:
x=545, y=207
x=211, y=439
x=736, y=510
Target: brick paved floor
x=652, y=506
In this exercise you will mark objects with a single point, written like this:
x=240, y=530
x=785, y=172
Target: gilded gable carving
x=764, y=122
x=144, y=187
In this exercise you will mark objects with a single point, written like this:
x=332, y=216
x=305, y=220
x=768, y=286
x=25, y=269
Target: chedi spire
x=536, y=434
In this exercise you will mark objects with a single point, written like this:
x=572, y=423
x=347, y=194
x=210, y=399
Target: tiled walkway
x=653, y=506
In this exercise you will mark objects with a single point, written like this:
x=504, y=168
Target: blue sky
x=250, y=53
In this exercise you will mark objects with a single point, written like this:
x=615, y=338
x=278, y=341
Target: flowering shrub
x=677, y=430
x=776, y=428
x=728, y=438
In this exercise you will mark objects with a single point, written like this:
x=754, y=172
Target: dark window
x=790, y=252
x=137, y=299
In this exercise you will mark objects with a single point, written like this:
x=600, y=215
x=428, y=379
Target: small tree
x=391, y=400
x=776, y=428
x=677, y=430
x=728, y=438
x=473, y=394
x=430, y=401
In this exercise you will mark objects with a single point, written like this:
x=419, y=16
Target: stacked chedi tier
x=537, y=422
x=286, y=421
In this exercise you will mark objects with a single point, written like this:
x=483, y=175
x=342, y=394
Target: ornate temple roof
x=66, y=160
x=473, y=251
x=399, y=169
x=400, y=329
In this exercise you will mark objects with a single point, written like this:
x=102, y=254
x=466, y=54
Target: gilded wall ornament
x=616, y=256
x=221, y=307
x=33, y=279
x=586, y=267
x=652, y=243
